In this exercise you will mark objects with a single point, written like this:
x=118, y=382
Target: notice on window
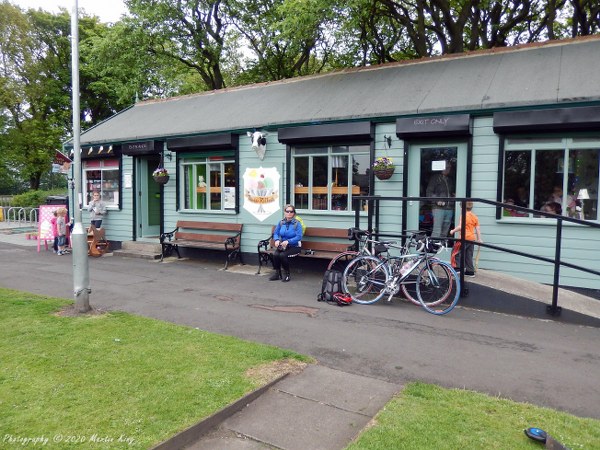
x=438, y=166
x=229, y=197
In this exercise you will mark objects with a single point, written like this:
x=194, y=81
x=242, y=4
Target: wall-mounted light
x=168, y=155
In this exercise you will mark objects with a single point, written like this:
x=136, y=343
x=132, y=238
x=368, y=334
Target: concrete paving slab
x=226, y=439
x=340, y=389
x=319, y=408
x=294, y=423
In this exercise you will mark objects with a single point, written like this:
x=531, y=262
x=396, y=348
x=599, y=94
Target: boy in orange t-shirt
x=472, y=233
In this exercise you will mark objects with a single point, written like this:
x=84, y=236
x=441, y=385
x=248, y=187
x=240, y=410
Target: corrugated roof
x=541, y=74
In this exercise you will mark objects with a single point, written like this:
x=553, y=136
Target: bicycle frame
x=368, y=278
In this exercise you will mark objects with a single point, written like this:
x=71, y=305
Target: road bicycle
x=367, y=246
x=367, y=278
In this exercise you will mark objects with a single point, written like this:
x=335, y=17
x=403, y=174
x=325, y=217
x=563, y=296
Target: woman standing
x=287, y=236
x=97, y=209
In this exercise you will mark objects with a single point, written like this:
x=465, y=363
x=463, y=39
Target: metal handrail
x=553, y=309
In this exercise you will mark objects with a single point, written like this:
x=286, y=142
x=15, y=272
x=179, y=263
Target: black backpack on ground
x=332, y=285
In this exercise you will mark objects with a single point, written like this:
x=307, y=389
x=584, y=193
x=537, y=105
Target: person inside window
x=521, y=197
x=97, y=209
x=287, y=237
x=556, y=195
x=441, y=185
x=552, y=207
x=556, y=198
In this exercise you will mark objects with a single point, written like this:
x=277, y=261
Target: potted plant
x=160, y=175
x=383, y=167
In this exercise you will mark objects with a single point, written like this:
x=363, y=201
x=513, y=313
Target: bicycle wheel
x=409, y=284
x=365, y=279
x=341, y=261
x=438, y=288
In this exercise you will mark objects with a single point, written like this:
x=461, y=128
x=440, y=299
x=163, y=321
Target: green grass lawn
x=425, y=416
x=112, y=377
x=119, y=381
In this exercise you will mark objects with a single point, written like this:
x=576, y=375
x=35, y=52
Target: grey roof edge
x=390, y=65
x=478, y=106
x=66, y=143
x=475, y=112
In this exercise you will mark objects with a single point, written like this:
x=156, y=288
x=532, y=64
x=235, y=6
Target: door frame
x=144, y=165
x=463, y=166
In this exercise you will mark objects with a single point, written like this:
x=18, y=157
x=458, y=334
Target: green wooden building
x=518, y=125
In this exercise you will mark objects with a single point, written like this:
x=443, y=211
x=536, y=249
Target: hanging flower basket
x=160, y=175
x=384, y=174
x=161, y=179
x=384, y=168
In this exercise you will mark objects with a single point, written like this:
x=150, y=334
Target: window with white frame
x=209, y=183
x=324, y=178
x=557, y=175
x=104, y=176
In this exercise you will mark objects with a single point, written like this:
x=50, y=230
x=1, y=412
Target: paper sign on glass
x=438, y=166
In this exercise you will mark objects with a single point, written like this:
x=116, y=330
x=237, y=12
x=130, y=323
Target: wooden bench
x=323, y=243
x=96, y=240
x=204, y=235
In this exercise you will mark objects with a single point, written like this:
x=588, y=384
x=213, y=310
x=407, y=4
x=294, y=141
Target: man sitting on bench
x=287, y=237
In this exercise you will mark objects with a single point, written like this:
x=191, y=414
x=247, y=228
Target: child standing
x=472, y=233
x=54, y=230
x=61, y=225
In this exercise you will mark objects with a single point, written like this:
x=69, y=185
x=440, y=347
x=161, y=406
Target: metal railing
x=19, y=216
x=553, y=309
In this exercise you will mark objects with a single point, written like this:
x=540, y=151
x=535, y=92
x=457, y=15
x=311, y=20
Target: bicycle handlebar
x=419, y=239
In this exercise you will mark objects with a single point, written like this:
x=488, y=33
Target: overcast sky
x=106, y=10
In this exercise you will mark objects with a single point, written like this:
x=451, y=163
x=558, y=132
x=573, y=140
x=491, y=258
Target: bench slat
x=201, y=244
x=191, y=237
x=321, y=255
x=326, y=246
x=326, y=233
x=217, y=226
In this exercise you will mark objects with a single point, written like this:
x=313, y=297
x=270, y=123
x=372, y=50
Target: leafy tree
x=188, y=32
x=287, y=38
x=35, y=99
x=117, y=67
x=585, y=17
x=33, y=122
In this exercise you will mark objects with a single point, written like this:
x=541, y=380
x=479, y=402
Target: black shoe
x=469, y=274
x=286, y=277
x=275, y=276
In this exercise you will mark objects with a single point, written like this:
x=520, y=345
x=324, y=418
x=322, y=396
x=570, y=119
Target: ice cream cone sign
x=261, y=191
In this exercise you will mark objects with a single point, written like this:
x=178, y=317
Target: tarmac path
x=531, y=360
